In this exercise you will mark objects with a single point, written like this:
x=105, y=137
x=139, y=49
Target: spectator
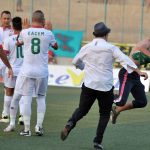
x=19, y=5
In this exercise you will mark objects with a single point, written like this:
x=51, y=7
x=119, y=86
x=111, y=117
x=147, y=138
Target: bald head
x=38, y=17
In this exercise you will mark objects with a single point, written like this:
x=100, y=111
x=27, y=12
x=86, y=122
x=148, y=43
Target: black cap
x=100, y=29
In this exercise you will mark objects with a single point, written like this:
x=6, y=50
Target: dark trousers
x=131, y=83
x=87, y=98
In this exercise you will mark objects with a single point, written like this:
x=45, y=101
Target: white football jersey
x=15, y=53
x=4, y=34
x=36, y=45
x=0, y=40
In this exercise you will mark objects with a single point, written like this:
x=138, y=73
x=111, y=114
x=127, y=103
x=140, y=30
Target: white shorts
x=9, y=82
x=31, y=86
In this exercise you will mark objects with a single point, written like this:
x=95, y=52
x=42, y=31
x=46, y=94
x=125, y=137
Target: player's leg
x=14, y=104
x=28, y=88
x=41, y=108
x=21, y=109
x=9, y=84
x=26, y=115
x=7, y=101
x=40, y=90
x=138, y=92
x=125, y=87
x=13, y=112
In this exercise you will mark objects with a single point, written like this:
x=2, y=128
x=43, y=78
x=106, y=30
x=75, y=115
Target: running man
x=140, y=54
x=96, y=58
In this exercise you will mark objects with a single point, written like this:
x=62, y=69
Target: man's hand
x=144, y=74
x=48, y=25
x=26, y=24
x=10, y=73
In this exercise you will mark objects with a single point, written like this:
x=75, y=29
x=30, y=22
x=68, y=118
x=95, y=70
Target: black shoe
x=98, y=146
x=64, y=133
x=114, y=115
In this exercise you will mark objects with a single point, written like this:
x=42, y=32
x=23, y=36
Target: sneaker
x=25, y=133
x=10, y=128
x=4, y=119
x=114, y=115
x=64, y=133
x=20, y=120
x=98, y=146
x=39, y=131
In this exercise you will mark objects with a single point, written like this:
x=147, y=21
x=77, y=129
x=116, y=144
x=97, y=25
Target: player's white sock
x=21, y=105
x=26, y=120
x=14, y=108
x=41, y=108
x=6, y=108
x=27, y=112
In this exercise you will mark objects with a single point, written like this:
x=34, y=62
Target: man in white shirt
x=33, y=76
x=15, y=56
x=96, y=58
x=5, y=32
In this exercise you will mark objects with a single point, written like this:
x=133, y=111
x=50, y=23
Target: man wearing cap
x=96, y=58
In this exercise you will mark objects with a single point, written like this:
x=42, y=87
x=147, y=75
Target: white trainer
x=39, y=131
x=10, y=128
x=25, y=133
x=4, y=119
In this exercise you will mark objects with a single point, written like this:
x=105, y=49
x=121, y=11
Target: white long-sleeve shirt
x=98, y=57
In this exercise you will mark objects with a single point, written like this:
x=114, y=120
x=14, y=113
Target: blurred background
x=128, y=19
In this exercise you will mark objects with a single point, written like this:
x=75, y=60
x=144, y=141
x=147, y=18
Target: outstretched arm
x=142, y=74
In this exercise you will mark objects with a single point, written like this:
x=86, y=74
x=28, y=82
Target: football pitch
x=132, y=131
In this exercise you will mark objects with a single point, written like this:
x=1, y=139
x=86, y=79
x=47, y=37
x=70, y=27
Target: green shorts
x=141, y=58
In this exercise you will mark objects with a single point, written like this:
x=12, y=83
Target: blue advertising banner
x=69, y=42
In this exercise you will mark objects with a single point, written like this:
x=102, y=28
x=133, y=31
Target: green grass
x=132, y=131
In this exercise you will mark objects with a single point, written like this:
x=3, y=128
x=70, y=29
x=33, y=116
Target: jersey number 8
x=35, y=47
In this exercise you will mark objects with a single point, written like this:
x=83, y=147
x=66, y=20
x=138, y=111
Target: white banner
x=65, y=76
x=69, y=76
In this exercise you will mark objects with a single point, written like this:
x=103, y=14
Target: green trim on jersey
x=141, y=58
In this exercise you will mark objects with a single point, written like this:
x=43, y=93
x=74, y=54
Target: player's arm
x=55, y=46
x=19, y=41
x=26, y=23
x=53, y=42
x=6, y=62
x=48, y=25
x=127, y=63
